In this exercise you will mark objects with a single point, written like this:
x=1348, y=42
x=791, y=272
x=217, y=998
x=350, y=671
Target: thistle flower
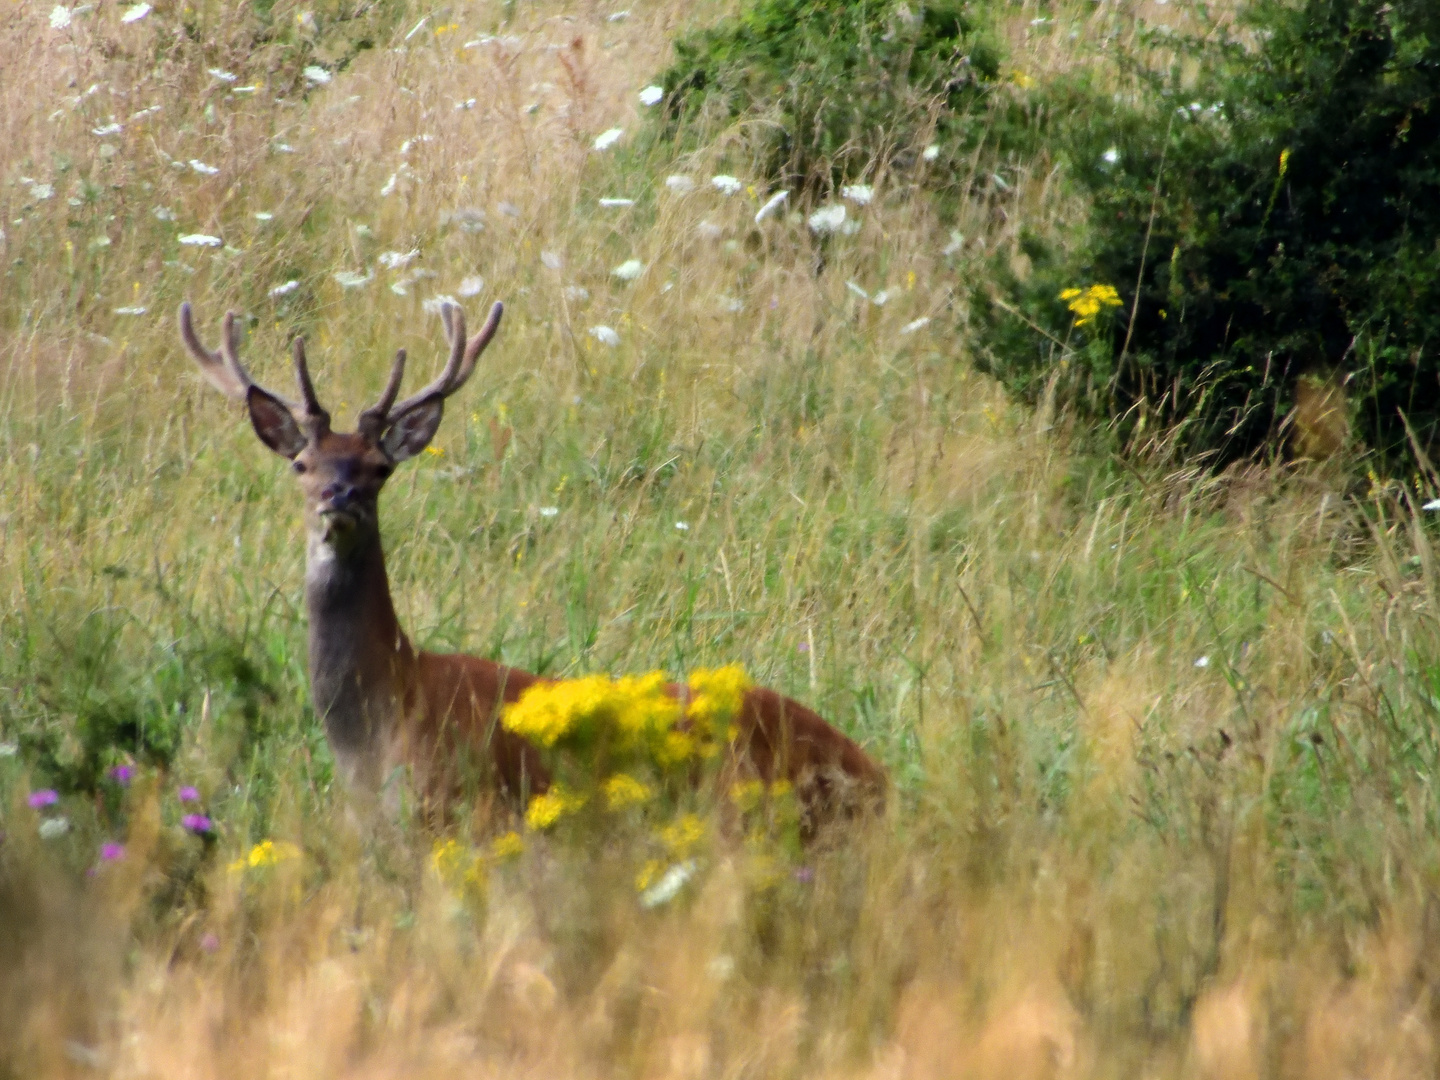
x=111, y=851
x=197, y=823
x=42, y=798
x=123, y=774
x=188, y=794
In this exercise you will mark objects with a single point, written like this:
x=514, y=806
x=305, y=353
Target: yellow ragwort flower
x=683, y=836
x=716, y=696
x=545, y=810
x=1088, y=303
x=265, y=853
x=623, y=790
x=509, y=846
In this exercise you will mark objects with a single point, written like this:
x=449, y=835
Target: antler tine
x=312, y=408
x=372, y=420
x=223, y=369
x=463, y=355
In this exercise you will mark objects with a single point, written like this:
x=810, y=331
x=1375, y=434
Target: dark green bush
x=829, y=86
x=1296, y=233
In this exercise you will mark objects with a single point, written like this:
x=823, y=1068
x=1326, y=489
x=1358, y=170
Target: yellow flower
x=746, y=794
x=509, y=846
x=456, y=866
x=545, y=810
x=716, y=697
x=1088, y=303
x=1284, y=160
x=265, y=853
x=683, y=836
x=648, y=873
x=1020, y=79
x=622, y=790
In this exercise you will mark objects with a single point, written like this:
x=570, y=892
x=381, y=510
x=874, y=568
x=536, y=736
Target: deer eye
x=383, y=471
x=298, y=466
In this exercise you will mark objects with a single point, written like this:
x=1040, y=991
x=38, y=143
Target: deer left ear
x=412, y=431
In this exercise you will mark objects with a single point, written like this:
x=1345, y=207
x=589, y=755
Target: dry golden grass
x=1162, y=741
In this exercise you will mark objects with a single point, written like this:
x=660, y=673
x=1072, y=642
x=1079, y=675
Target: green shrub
x=831, y=85
x=1296, y=233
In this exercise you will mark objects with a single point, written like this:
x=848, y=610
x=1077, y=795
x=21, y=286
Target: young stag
x=386, y=704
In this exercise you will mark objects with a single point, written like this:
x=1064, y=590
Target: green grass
x=1101, y=859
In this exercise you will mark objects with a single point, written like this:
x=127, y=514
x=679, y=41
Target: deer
x=389, y=708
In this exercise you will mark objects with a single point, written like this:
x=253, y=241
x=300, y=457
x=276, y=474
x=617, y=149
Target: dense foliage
x=1281, y=216
x=833, y=86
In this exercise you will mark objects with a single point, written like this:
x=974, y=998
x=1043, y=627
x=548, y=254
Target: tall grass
x=1163, y=742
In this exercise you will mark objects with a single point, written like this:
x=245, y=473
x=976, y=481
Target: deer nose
x=339, y=495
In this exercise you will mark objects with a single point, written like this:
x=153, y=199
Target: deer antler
x=458, y=369
x=229, y=376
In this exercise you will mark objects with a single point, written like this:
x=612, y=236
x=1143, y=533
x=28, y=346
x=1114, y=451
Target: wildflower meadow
x=1161, y=732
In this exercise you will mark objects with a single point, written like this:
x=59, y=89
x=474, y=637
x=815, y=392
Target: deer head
x=340, y=473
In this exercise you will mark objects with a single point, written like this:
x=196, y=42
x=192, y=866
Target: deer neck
x=361, y=663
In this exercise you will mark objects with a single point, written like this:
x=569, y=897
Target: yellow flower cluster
x=623, y=790
x=716, y=696
x=576, y=710
x=265, y=853
x=1087, y=304
x=545, y=810
x=457, y=866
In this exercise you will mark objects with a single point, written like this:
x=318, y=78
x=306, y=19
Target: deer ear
x=274, y=423
x=413, y=429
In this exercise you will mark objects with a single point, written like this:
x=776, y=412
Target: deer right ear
x=274, y=422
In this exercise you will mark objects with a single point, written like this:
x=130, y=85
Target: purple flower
x=804, y=875
x=196, y=823
x=209, y=943
x=189, y=794
x=112, y=851
x=43, y=797
x=123, y=774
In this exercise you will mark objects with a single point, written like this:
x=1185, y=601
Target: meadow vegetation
x=1162, y=739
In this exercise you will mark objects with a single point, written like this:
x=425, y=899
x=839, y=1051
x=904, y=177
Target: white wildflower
x=59, y=17
x=222, y=75
x=651, y=95
x=859, y=194
x=41, y=192
x=605, y=335
x=915, y=324
x=879, y=298
x=509, y=209
x=629, y=270
x=348, y=279
x=264, y=215
x=682, y=526
x=107, y=129
x=551, y=260
x=709, y=230
x=200, y=240
x=827, y=219
x=400, y=288
x=669, y=885
x=1203, y=662
x=679, y=185
x=203, y=169
x=1111, y=156
x=130, y=310
x=135, y=12
x=771, y=205
x=577, y=293
x=163, y=213
x=607, y=139
x=394, y=260
x=957, y=242
x=9, y=749
x=731, y=304
x=471, y=286
x=284, y=289
x=54, y=827
x=931, y=152
x=283, y=148
x=316, y=75
x=612, y=204
x=549, y=511
x=725, y=184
